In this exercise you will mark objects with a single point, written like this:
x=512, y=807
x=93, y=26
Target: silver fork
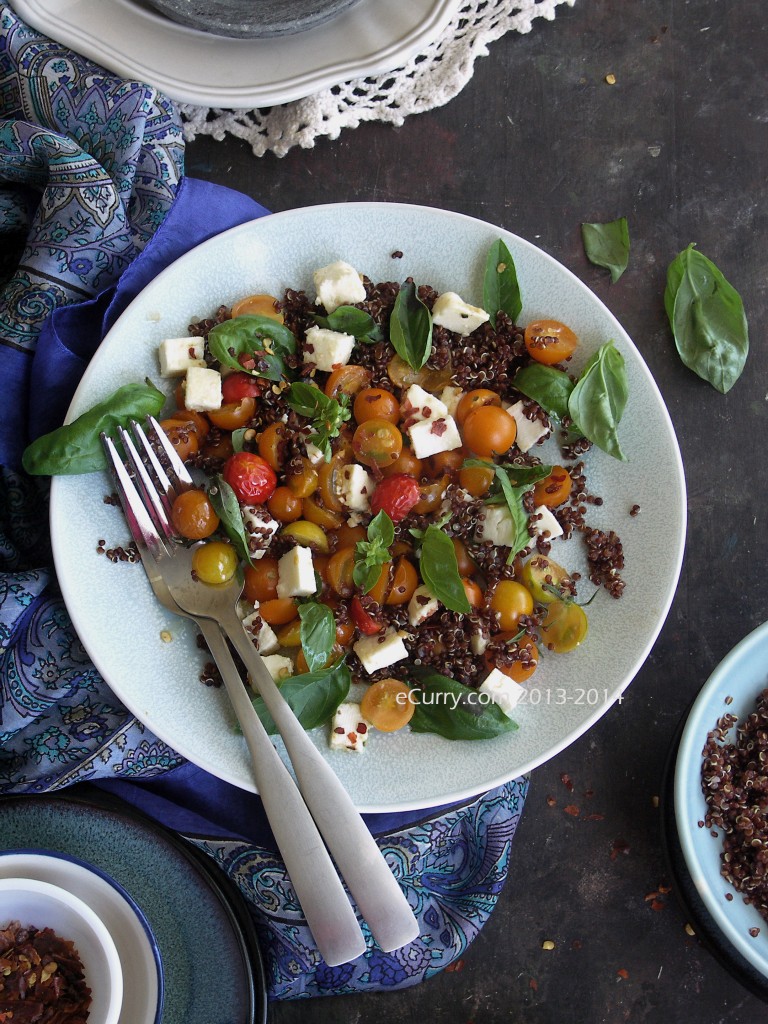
x=358, y=858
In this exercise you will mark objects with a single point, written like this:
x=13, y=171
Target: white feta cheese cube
x=349, y=729
x=498, y=527
x=177, y=355
x=261, y=632
x=202, y=391
x=328, y=349
x=314, y=454
x=338, y=284
x=260, y=528
x=429, y=437
x=452, y=312
x=543, y=521
x=381, y=650
x=357, y=486
x=279, y=666
x=296, y=573
x=529, y=432
x=503, y=691
x=418, y=404
x=450, y=396
x=422, y=605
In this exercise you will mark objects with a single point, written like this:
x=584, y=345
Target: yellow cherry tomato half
x=214, y=563
x=549, y=341
x=564, y=627
x=388, y=705
x=510, y=600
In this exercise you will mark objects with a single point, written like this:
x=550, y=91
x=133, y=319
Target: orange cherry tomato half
x=261, y=580
x=376, y=404
x=258, y=305
x=554, y=489
x=388, y=705
x=549, y=341
x=350, y=379
x=510, y=600
x=233, y=415
x=193, y=515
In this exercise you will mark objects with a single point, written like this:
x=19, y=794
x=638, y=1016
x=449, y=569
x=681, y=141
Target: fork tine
x=178, y=469
x=139, y=521
x=152, y=500
x=167, y=491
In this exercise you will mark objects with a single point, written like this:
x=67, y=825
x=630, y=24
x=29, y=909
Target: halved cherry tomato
x=340, y=569
x=183, y=437
x=473, y=592
x=396, y=495
x=278, y=611
x=545, y=579
x=195, y=420
x=258, y=305
x=350, y=379
x=554, y=489
x=305, y=481
x=406, y=462
x=509, y=601
x=214, y=562
x=316, y=512
x=240, y=385
x=362, y=619
x=476, y=480
x=285, y=506
x=474, y=400
x=564, y=627
x=388, y=705
x=431, y=495
x=376, y=404
x=193, y=516
x=489, y=430
x=549, y=341
x=233, y=415
x=273, y=444
x=396, y=582
x=377, y=443
x=524, y=662
x=261, y=580
x=347, y=536
x=301, y=662
x=251, y=478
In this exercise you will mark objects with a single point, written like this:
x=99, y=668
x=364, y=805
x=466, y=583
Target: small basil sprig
x=501, y=291
x=549, y=387
x=326, y=413
x=371, y=554
x=76, y=448
x=707, y=318
x=597, y=402
x=454, y=711
x=410, y=327
x=440, y=571
x=607, y=245
x=318, y=633
x=312, y=696
x=227, y=508
x=354, y=321
x=260, y=337
x=509, y=486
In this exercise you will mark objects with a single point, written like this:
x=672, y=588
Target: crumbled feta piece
x=452, y=312
x=529, y=432
x=418, y=404
x=177, y=355
x=338, y=284
x=431, y=436
x=498, y=527
x=381, y=650
x=262, y=633
x=478, y=643
x=279, y=666
x=422, y=605
x=349, y=729
x=357, y=486
x=296, y=573
x=327, y=349
x=314, y=454
x=202, y=391
x=450, y=396
x=543, y=521
x=502, y=690
x=260, y=528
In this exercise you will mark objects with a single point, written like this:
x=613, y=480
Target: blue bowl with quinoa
x=728, y=713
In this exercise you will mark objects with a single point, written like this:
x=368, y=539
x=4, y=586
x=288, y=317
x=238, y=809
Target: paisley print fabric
x=91, y=179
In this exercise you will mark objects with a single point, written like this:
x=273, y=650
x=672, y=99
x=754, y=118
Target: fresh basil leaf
x=227, y=508
x=501, y=291
x=261, y=337
x=410, y=327
x=549, y=387
x=513, y=498
x=607, y=245
x=327, y=414
x=318, y=633
x=312, y=696
x=519, y=476
x=440, y=570
x=76, y=448
x=238, y=439
x=354, y=321
x=455, y=711
x=707, y=318
x=373, y=553
x=382, y=528
x=598, y=400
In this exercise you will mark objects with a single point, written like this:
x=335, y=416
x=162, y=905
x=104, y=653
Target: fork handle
x=326, y=906
x=359, y=860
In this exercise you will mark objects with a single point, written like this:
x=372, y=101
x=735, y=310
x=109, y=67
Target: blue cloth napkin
x=93, y=204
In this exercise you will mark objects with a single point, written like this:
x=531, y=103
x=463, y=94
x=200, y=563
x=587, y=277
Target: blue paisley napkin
x=93, y=204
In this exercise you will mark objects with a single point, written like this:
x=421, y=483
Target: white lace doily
x=428, y=80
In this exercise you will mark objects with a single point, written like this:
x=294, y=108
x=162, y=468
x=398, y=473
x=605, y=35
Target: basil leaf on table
x=354, y=321
x=440, y=571
x=707, y=318
x=607, y=245
x=455, y=711
x=76, y=448
x=312, y=696
x=549, y=387
x=598, y=400
x=327, y=414
x=374, y=552
x=227, y=508
x=318, y=633
x=501, y=291
x=410, y=327
x=261, y=337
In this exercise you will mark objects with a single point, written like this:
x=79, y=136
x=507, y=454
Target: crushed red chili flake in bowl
x=41, y=977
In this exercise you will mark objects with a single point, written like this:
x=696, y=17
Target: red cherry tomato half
x=364, y=622
x=251, y=478
x=237, y=386
x=396, y=495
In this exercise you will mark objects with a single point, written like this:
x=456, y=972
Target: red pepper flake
x=438, y=428
x=619, y=846
x=623, y=973
x=754, y=932
x=457, y=965
x=352, y=737
x=566, y=781
x=572, y=809
x=551, y=802
x=339, y=729
x=533, y=984
x=664, y=889
x=362, y=728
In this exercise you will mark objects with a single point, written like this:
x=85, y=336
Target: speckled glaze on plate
x=741, y=675
x=158, y=680
x=207, y=963
x=252, y=19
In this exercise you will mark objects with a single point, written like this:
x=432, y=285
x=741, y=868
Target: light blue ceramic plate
x=741, y=675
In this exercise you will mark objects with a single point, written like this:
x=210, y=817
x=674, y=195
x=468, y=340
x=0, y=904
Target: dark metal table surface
x=538, y=142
